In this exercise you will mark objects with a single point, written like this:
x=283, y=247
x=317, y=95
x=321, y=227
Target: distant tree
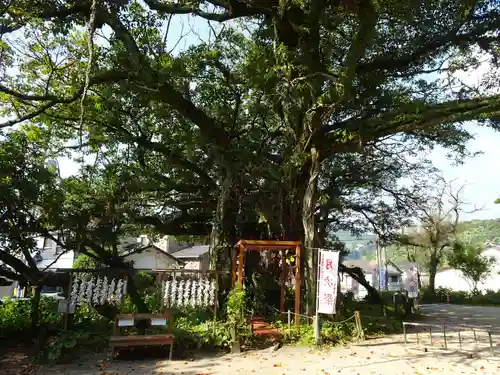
x=479, y=231
x=429, y=243
x=471, y=261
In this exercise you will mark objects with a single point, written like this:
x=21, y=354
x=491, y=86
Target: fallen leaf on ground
x=277, y=365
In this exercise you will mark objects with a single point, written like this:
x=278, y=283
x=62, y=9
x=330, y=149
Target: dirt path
x=388, y=356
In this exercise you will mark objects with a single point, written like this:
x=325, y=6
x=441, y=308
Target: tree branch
x=106, y=77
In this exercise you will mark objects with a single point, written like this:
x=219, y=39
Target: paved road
x=485, y=317
x=468, y=329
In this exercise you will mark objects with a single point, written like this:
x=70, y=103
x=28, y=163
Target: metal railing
x=446, y=328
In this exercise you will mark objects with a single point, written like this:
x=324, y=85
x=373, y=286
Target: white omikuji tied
x=119, y=290
x=74, y=291
x=88, y=292
x=180, y=293
x=189, y=293
x=104, y=291
x=173, y=299
x=111, y=291
x=212, y=293
x=200, y=290
x=96, y=295
x=81, y=291
x=187, y=290
x=194, y=289
x=206, y=282
x=166, y=293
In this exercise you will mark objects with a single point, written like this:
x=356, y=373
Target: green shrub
x=194, y=329
x=15, y=314
x=487, y=298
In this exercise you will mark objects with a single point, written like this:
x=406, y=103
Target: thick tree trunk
x=35, y=310
x=309, y=202
x=357, y=274
x=136, y=298
x=220, y=237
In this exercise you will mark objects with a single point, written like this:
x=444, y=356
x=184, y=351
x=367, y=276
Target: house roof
x=369, y=265
x=152, y=247
x=195, y=251
x=53, y=261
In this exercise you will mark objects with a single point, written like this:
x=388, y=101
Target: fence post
x=491, y=343
x=444, y=334
x=317, y=335
x=359, y=325
x=289, y=316
x=404, y=332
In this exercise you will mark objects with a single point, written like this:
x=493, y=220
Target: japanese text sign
x=327, y=281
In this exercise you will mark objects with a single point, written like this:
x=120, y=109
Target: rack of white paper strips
x=189, y=293
x=97, y=290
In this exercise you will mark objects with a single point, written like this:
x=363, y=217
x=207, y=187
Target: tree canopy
x=289, y=119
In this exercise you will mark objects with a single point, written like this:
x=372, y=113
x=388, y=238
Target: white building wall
x=454, y=279
x=6, y=291
x=151, y=259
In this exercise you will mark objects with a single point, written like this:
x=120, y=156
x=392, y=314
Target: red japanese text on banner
x=327, y=281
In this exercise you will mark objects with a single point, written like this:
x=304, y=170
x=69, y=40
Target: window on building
x=394, y=279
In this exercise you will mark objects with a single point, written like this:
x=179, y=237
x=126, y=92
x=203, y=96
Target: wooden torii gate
x=259, y=245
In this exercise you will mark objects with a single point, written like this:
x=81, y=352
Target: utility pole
x=377, y=243
x=386, y=274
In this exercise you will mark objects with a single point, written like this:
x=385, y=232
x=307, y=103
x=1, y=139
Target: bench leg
x=171, y=351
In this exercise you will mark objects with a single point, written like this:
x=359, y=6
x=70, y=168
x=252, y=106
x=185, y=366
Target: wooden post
x=491, y=343
x=124, y=292
x=282, y=294
x=162, y=291
x=289, y=320
x=216, y=294
x=297, y=284
x=234, y=256
x=68, y=301
x=444, y=336
x=216, y=300
x=359, y=325
x=241, y=266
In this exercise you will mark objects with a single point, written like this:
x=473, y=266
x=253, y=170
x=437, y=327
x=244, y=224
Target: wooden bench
x=132, y=339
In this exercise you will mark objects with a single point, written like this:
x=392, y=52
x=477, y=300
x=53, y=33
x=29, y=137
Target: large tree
x=256, y=122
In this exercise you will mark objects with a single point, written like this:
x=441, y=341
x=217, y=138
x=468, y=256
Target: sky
x=480, y=174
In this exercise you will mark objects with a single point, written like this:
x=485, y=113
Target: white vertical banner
x=411, y=282
x=328, y=266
